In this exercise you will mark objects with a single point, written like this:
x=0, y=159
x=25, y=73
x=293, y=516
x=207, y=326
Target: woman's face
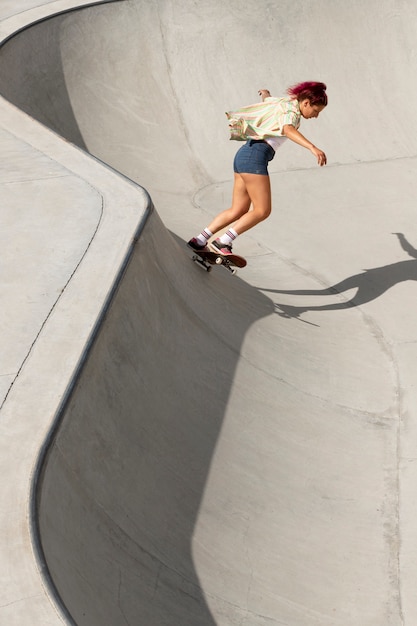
x=310, y=110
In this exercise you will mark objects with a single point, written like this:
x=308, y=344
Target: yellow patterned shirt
x=264, y=119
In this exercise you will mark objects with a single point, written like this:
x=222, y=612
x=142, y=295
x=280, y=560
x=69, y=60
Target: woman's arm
x=292, y=133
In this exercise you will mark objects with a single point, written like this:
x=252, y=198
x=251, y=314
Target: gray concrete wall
x=125, y=477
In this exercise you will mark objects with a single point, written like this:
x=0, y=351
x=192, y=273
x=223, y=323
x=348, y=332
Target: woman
x=264, y=126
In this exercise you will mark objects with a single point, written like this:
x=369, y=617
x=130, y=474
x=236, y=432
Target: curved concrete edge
x=25, y=18
x=27, y=416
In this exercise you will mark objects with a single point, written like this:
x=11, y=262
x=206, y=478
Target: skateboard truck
x=215, y=259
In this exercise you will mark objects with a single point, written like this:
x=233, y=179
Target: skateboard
x=208, y=258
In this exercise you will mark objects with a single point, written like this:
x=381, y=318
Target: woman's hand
x=264, y=93
x=321, y=157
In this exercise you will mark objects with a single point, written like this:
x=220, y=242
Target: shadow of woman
x=370, y=284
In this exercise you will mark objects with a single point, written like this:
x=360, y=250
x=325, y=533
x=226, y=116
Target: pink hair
x=309, y=90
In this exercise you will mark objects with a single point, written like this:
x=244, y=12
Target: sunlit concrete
x=225, y=450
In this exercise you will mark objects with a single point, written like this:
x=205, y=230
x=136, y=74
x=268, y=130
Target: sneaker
x=193, y=243
x=223, y=248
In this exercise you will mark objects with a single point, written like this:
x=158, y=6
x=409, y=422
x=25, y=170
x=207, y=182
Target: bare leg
x=248, y=189
x=259, y=190
x=241, y=202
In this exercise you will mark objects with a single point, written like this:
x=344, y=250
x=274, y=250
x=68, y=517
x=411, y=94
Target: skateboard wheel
x=219, y=260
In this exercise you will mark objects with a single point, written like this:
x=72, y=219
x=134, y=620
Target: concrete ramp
x=135, y=448
x=237, y=451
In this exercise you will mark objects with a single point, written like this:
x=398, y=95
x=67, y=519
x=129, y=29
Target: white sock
x=228, y=237
x=204, y=236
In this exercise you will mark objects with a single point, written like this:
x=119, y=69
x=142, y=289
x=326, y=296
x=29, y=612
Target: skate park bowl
x=183, y=448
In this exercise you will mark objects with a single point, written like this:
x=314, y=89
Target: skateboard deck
x=208, y=258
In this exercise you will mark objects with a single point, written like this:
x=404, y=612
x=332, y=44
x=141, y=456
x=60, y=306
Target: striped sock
x=204, y=236
x=228, y=237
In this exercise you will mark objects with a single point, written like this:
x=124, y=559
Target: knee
x=262, y=212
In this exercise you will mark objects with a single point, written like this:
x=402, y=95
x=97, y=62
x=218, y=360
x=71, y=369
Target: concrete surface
x=208, y=449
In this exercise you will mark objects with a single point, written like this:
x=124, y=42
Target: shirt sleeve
x=288, y=113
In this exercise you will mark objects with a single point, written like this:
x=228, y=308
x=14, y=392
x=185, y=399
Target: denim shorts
x=253, y=158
